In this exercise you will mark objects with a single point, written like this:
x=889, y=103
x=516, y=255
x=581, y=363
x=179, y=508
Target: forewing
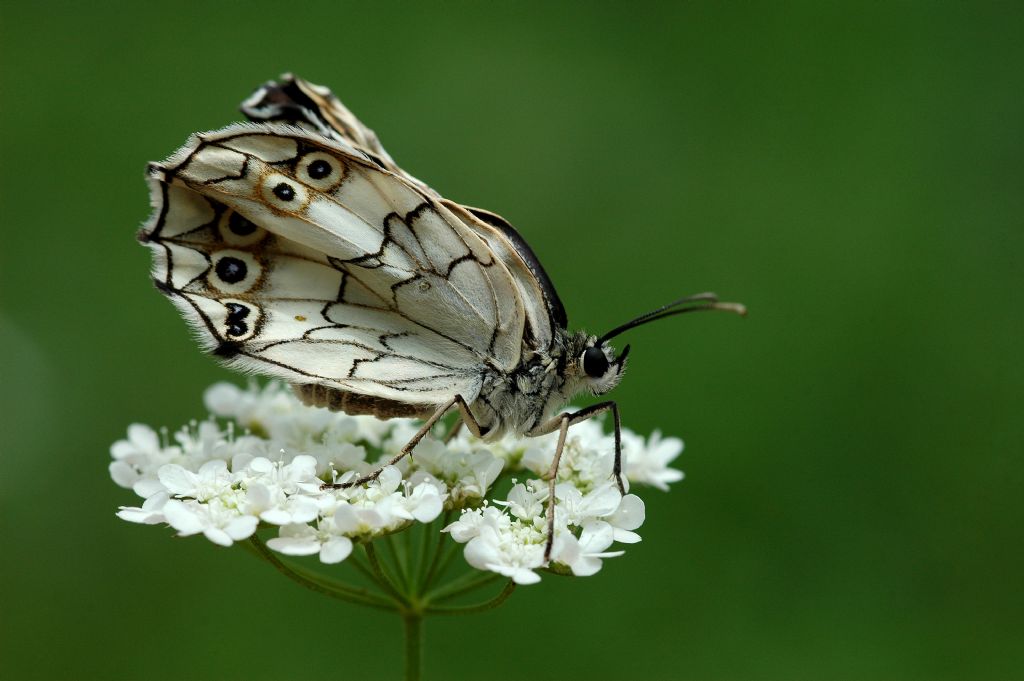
x=299, y=102
x=544, y=310
x=295, y=257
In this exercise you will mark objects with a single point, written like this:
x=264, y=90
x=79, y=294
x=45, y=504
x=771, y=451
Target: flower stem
x=382, y=577
x=440, y=566
x=423, y=562
x=401, y=562
x=439, y=551
x=341, y=592
x=413, y=625
x=510, y=586
x=461, y=585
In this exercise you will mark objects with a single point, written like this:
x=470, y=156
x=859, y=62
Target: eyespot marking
x=240, y=226
x=320, y=170
x=237, y=328
x=231, y=270
x=284, y=193
x=237, y=311
x=234, y=271
x=241, y=321
x=237, y=230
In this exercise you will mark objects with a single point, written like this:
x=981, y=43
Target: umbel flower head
x=261, y=459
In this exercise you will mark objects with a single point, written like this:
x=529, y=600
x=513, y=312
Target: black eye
x=594, y=362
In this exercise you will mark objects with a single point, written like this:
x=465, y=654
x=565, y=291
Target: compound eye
x=594, y=362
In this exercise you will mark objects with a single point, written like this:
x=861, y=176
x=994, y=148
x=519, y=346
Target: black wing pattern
x=299, y=102
x=292, y=255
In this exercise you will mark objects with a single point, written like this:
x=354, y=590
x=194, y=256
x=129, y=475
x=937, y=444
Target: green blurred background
x=853, y=172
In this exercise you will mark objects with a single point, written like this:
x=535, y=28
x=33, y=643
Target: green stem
x=357, y=562
x=408, y=560
x=341, y=592
x=426, y=535
x=435, y=561
x=401, y=562
x=478, y=607
x=468, y=582
x=382, y=577
x=446, y=554
x=413, y=626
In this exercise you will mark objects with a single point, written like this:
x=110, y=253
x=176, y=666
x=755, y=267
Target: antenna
x=697, y=303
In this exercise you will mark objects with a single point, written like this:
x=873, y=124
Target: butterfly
x=295, y=247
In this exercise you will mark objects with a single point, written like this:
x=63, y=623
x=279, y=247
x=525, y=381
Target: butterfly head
x=589, y=366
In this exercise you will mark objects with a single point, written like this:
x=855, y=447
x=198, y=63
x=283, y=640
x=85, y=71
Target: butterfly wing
x=298, y=102
x=294, y=256
x=314, y=107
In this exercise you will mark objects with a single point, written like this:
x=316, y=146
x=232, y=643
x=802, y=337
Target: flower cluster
x=262, y=458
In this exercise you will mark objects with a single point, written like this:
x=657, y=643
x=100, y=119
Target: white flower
x=211, y=481
x=363, y=521
x=275, y=491
x=583, y=555
x=499, y=544
x=137, y=460
x=253, y=408
x=220, y=523
x=422, y=502
x=586, y=524
x=132, y=456
x=588, y=456
x=627, y=517
x=467, y=472
x=151, y=512
x=623, y=513
x=647, y=463
x=336, y=454
x=303, y=540
x=278, y=508
x=525, y=502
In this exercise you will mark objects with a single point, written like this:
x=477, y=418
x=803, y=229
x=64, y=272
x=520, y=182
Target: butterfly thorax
x=543, y=383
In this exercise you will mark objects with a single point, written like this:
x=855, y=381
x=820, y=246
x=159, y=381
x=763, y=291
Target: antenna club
x=738, y=308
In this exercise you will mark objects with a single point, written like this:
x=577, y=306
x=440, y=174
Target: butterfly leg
x=465, y=416
x=562, y=423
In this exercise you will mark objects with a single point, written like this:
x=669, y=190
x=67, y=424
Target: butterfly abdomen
x=316, y=395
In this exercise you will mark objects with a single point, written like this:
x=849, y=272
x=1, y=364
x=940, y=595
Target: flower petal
x=336, y=550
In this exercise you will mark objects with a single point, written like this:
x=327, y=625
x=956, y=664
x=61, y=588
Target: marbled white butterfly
x=297, y=248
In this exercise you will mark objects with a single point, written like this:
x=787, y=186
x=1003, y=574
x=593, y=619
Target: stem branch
x=464, y=584
x=382, y=577
x=510, y=586
x=341, y=592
